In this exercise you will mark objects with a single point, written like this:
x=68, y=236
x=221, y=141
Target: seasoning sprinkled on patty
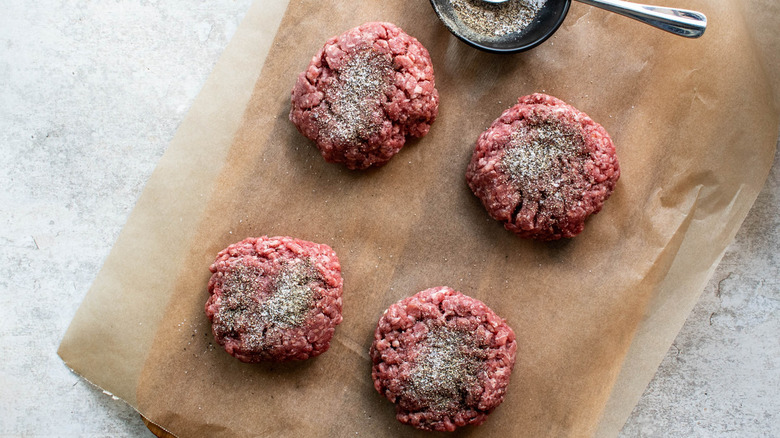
x=542, y=168
x=364, y=93
x=447, y=366
x=356, y=100
x=541, y=151
x=443, y=358
x=275, y=298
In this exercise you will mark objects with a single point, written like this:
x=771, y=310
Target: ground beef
x=542, y=168
x=443, y=358
x=275, y=298
x=363, y=93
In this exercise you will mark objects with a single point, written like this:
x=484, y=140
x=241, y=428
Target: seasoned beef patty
x=443, y=358
x=275, y=298
x=364, y=93
x=542, y=168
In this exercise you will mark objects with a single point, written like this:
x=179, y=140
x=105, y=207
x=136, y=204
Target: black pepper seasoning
x=355, y=95
x=288, y=304
x=496, y=19
x=446, y=369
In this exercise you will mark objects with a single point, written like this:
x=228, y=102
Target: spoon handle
x=690, y=24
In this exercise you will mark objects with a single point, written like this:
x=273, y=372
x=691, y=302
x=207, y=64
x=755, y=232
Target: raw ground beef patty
x=542, y=168
x=443, y=358
x=275, y=298
x=364, y=92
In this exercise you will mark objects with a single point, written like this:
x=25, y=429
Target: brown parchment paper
x=695, y=123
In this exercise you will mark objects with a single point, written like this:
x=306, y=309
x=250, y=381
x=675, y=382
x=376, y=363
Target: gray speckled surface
x=92, y=92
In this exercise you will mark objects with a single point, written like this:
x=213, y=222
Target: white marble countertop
x=91, y=94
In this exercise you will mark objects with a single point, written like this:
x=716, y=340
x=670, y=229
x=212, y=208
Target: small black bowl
x=547, y=21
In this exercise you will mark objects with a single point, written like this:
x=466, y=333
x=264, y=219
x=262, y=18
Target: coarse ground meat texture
x=275, y=298
x=542, y=168
x=443, y=358
x=364, y=93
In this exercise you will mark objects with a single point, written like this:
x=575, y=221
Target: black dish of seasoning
x=509, y=27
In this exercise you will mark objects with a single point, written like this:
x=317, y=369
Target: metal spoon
x=689, y=24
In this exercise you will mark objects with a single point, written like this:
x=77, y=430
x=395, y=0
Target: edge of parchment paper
x=651, y=344
x=201, y=135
